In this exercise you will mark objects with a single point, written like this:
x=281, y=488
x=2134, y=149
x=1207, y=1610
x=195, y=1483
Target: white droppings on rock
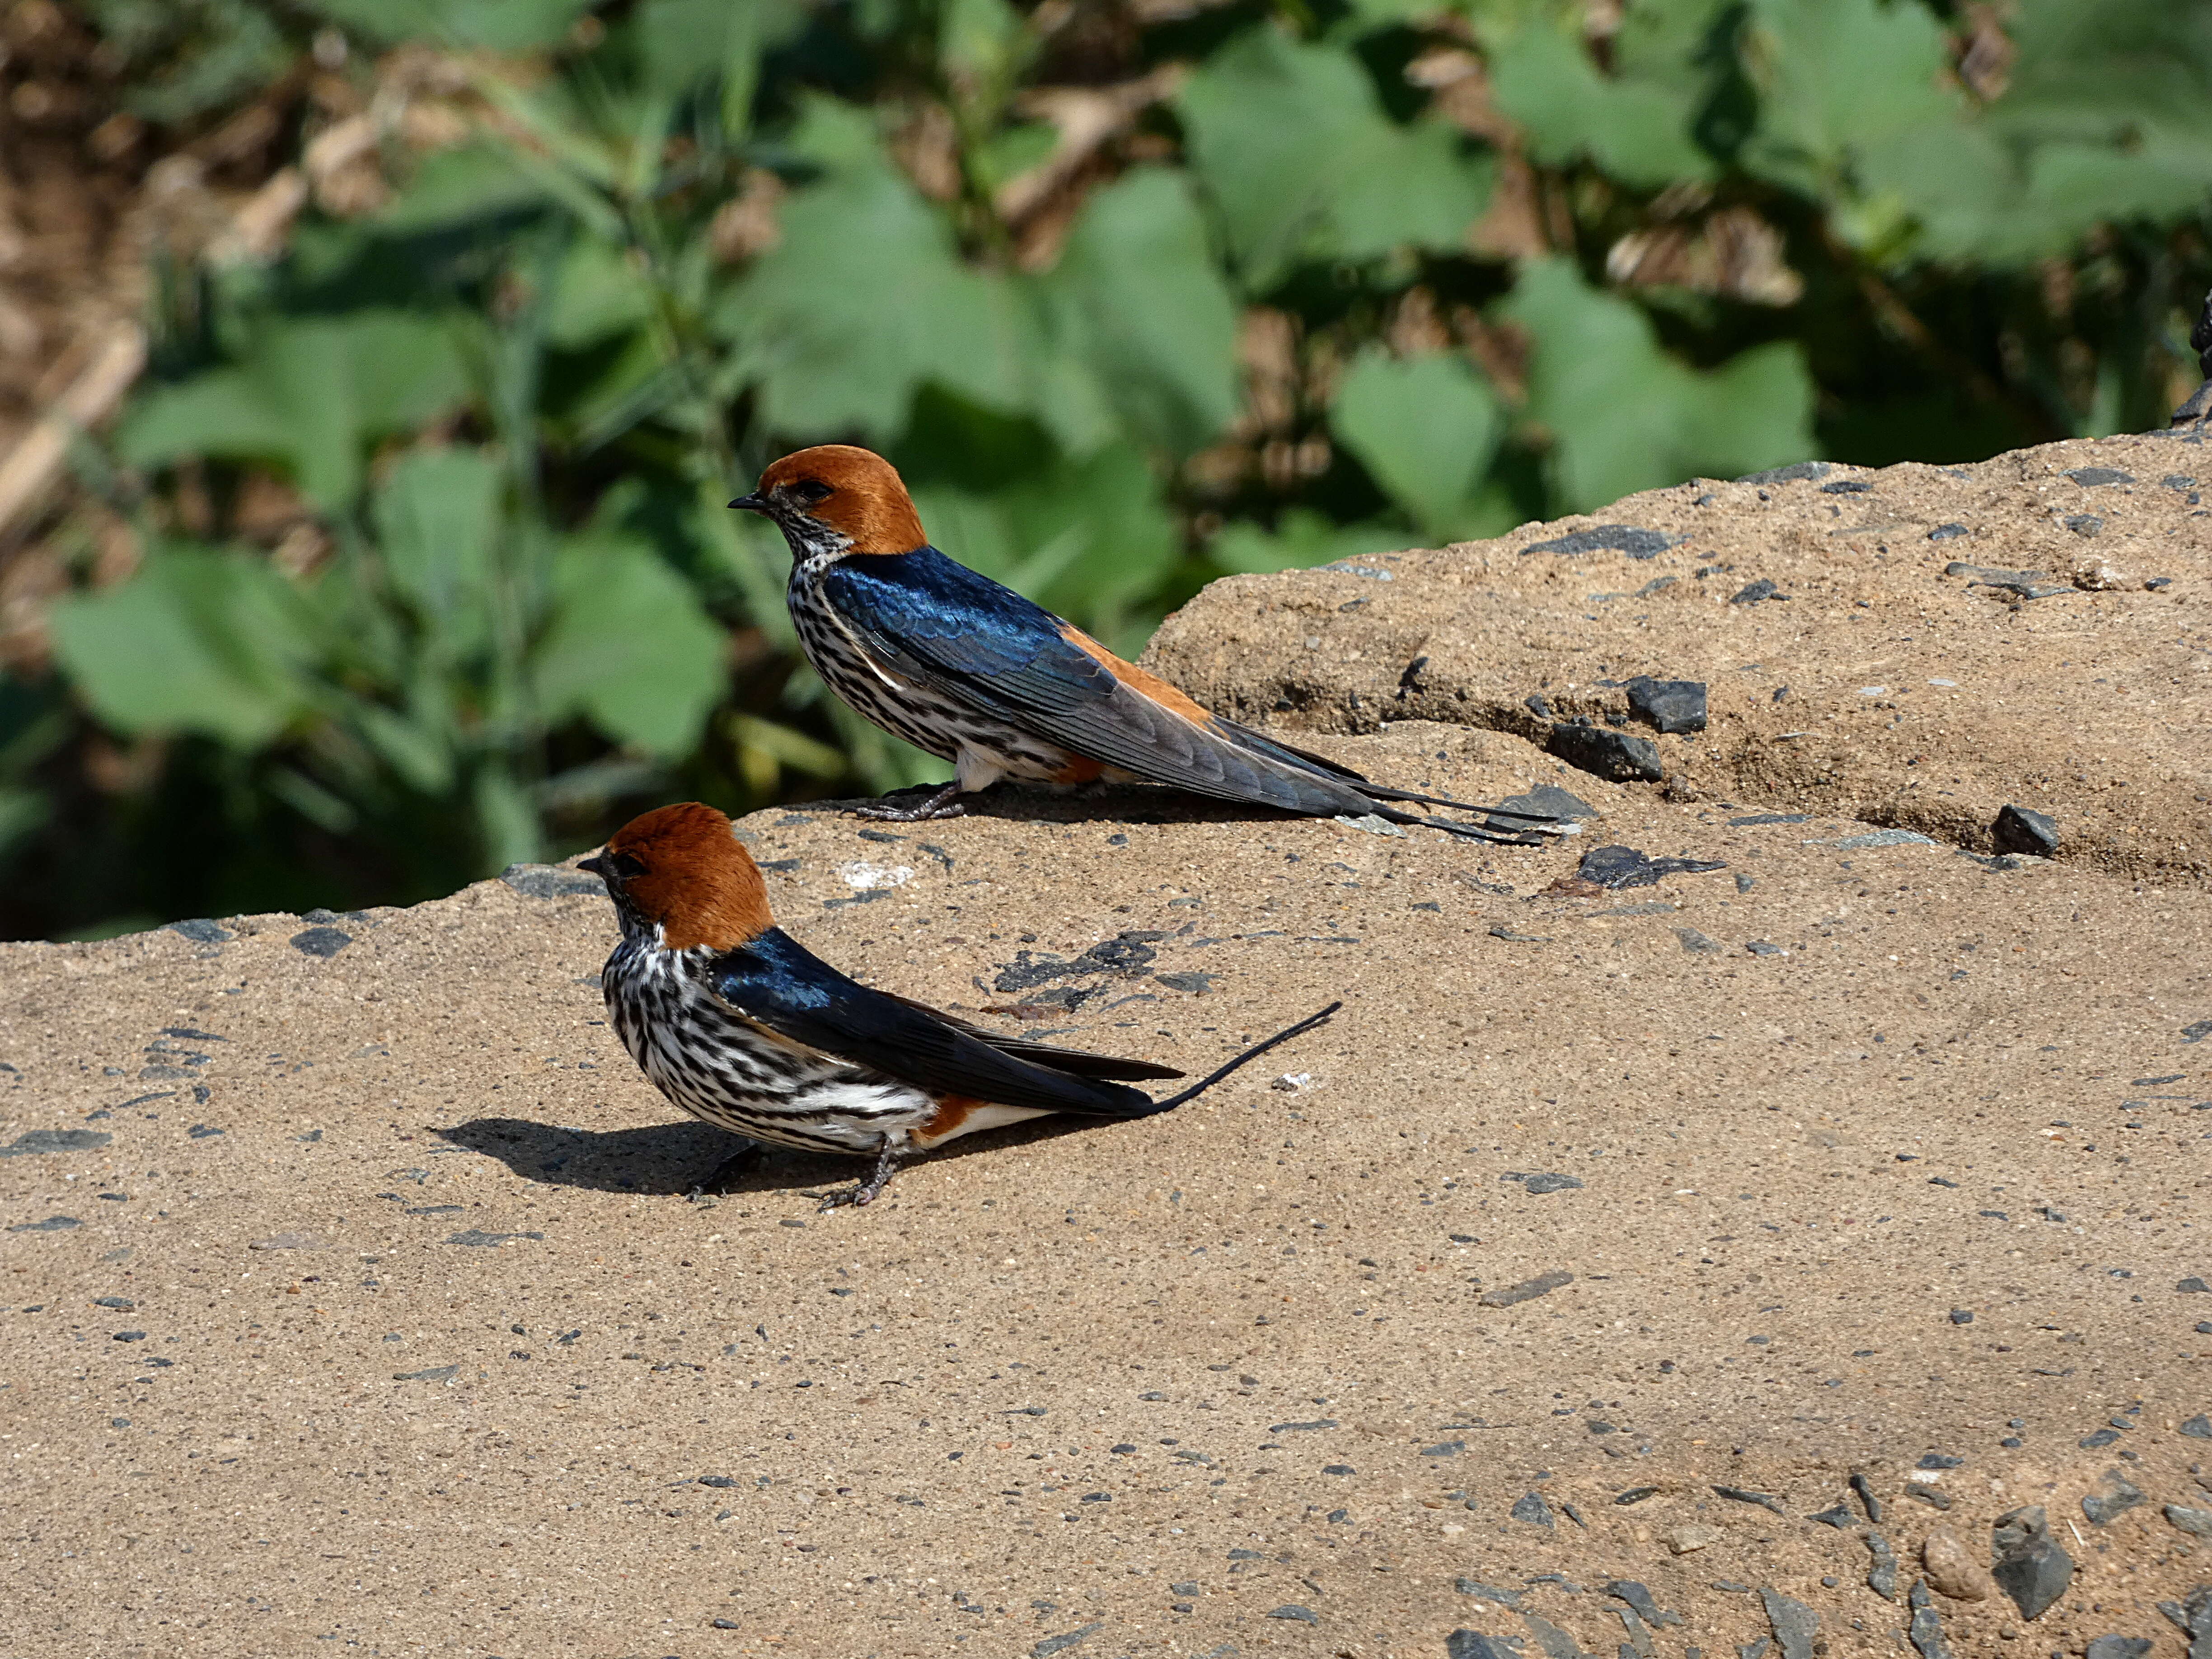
x=866, y=878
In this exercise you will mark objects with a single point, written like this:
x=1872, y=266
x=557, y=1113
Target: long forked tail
x=1250, y=1053
x=1306, y=760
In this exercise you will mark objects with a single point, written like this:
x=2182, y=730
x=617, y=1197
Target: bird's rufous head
x=838, y=499
x=682, y=869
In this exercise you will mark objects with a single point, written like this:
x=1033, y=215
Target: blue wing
x=778, y=983
x=937, y=621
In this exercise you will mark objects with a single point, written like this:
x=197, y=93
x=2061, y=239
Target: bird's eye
x=625, y=866
x=807, y=491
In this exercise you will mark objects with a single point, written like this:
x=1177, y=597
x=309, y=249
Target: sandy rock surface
x=1916, y=646
x=1657, y=1265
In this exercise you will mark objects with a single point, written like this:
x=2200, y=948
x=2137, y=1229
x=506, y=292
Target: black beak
x=598, y=866
x=755, y=503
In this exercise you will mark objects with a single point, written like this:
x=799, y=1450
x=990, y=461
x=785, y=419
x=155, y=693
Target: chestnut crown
x=853, y=493
x=682, y=868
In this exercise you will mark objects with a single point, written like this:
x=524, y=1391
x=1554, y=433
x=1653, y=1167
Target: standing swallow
x=745, y=1028
x=974, y=673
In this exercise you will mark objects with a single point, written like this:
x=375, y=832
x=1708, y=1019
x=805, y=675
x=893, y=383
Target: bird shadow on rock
x=671, y=1159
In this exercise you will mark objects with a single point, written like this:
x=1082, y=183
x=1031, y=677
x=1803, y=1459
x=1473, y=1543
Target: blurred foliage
x=431, y=566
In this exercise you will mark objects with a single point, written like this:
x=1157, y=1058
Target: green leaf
x=1624, y=416
x=979, y=39
x=437, y=517
x=214, y=643
x=493, y=25
x=685, y=42
x=840, y=339
x=628, y=646
x=596, y=292
x=461, y=187
x=1425, y=429
x=1637, y=128
x=1340, y=179
x=1836, y=77
x=310, y=396
x=1147, y=326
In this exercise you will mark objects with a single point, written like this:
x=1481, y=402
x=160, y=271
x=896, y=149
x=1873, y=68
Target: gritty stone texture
x=1951, y=1570
x=2030, y=1568
x=1907, y=697
x=1729, y=1116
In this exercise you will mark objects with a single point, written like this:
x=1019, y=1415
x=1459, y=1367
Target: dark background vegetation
x=406, y=555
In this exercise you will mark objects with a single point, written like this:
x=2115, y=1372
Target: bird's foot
x=942, y=804
x=728, y=1170
x=887, y=1166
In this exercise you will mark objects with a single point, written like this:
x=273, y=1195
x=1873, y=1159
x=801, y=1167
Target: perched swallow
x=974, y=672
x=747, y=1029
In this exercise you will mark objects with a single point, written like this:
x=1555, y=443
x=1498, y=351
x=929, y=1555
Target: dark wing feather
x=1073, y=1060
x=964, y=636
x=778, y=983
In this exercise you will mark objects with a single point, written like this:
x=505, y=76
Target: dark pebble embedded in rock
x=1840, y=1518
x=1548, y=1183
x=435, y=1374
x=1555, y=1642
x=33, y=1142
x=1531, y=1508
x=2191, y=1286
x=1926, y=1630
x=1196, y=983
x=1881, y=1577
x=2100, y=1439
x=1473, y=1644
x=1944, y=532
x=2089, y=477
x=2023, y=829
x=477, y=1236
x=2194, y=1615
x=1639, y=1597
x=1672, y=706
x=2114, y=1496
x=1847, y=487
x=548, y=881
x=1766, y=1500
x=1527, y=1290
x=2030, y=1567
x=2117, y=1647
x=2022, y=583
x=1795, y=1624
x=1066, y=1639
x=1606, y=753
x=1483, y=1592
x=325, y=942
x=1292, y=1610
x=2084, y=523
x=1617, y=867
x=1615, y=538
x=1940, y=1461
x=1552, y=801
x=1754, y=592
x=2198, y=1427
x=1786, y=474
x=53, y=1223
x=201, y=931
x=1698, y=944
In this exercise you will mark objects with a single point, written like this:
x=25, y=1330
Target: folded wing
x=777, y=983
